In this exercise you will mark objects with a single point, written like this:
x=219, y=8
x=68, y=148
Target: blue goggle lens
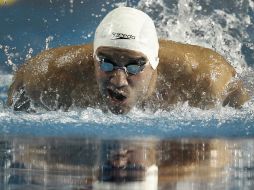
x=107, y=67
x=132, y=69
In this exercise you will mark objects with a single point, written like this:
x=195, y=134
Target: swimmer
x=126, y=66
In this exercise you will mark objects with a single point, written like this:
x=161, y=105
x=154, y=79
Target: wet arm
x=237, y=95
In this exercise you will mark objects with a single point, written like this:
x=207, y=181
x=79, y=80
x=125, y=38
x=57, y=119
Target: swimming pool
x=29, y=27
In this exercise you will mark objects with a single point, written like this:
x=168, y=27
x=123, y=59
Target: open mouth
x=117, y=96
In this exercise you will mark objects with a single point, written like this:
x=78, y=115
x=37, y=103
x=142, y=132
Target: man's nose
x=119, y=78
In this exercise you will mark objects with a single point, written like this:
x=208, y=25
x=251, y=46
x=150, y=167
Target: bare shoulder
x=178, y=60
x=58, y=71
x=55, y=60
x=196, y=74
x=193, y=57
x=59, y=57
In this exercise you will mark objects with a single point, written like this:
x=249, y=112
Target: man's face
x=122, y=90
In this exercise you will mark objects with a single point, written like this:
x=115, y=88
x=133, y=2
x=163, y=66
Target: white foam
x=187, y=23
x=5, y=79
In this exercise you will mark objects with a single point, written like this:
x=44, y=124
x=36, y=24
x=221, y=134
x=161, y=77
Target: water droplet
x=48, y=40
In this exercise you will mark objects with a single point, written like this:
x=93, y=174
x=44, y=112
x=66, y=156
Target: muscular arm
x=236, y=94
x=52, y=78
x=198, y=75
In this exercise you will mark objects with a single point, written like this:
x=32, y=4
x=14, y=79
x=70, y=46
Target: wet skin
x=121, y=90
x=70, y=76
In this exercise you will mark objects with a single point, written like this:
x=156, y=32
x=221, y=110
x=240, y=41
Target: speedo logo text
x=120, y=36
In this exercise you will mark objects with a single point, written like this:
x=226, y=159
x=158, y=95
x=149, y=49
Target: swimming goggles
x=107, y=66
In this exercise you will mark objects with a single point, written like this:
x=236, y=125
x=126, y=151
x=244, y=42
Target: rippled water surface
x=79, y=163
x=192, y=148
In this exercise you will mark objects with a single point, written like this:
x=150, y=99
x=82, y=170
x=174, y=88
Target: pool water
x=186, y=148
x=83, y=163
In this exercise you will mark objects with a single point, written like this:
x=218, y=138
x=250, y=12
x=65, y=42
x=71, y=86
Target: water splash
x=183, y=121
x=71, y=6
x=10, y=55
x=195, y=22
x=47, y=41
x=29, y=54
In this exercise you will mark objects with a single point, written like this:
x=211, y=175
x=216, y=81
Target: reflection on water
x=144, y=164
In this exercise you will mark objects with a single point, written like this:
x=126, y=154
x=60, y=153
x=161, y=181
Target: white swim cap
x=129, y=28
